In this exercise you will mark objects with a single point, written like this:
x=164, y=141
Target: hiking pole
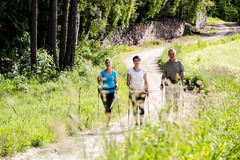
x=79, y=102
x=98, y=107
x=148, y=106
x=128, y=110
x=183, y=99
x=119, y=113
x=99, y=81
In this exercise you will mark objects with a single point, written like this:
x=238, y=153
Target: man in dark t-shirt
x=172, y=70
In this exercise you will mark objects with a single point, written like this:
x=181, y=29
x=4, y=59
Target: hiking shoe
x=137, y=126
x=108, y=125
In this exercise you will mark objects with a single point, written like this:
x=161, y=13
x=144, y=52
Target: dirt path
x=91, y=144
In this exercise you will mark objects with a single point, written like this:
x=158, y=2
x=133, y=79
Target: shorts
x=108, y=99
x=173, y=92
x=138, y=100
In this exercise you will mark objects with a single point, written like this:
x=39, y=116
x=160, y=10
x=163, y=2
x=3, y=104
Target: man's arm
x=182, y=74
x=162, y=81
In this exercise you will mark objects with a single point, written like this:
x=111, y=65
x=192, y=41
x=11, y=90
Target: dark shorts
x=108, y=99
x=138, y=100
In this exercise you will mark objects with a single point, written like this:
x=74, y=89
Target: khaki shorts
x=173, y=92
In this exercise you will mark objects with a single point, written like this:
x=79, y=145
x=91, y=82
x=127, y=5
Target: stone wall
x=150, y=30
x=200, y=22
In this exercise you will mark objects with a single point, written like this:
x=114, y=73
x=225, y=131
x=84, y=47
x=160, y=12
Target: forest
x=55, y=26
x=51, y=53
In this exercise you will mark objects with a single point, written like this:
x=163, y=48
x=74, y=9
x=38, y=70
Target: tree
x=227, y=10
x=63, y=32
x=53, y=29
x=15, y=17
x=72, y=30
x=99, y=18
x=34, y=35
x=238, y=9
x=148, y=9
x=43, y=23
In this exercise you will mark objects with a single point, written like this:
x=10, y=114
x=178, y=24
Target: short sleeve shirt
x=172, y=69
x=137, y=80
x=108, y=81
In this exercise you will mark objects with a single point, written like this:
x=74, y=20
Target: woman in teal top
x=108, y=79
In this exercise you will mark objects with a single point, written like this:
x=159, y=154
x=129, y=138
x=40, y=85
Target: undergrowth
x=32, y=105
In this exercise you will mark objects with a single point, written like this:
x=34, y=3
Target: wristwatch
x=161, y=85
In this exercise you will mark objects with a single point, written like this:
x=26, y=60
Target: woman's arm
x=99, y=79
x=116, y=83
x=128, y=80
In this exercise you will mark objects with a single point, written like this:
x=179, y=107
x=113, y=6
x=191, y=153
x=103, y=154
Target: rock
x=150, y=30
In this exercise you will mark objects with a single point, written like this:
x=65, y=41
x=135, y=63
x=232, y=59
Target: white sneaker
x=108, y=125
x=137, y=127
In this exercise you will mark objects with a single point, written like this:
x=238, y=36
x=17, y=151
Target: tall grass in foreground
x=32, y=108
x=212, y=133
x=212, y=128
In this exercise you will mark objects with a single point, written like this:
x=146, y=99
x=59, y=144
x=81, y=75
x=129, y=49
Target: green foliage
x=93, y=51
x=155, y=9
x=226, y=10
x=21, y=73
x=148, y=9
x=189, y=9
x=104, y=16
x=13, y=31
x=32, y=115
x=46, y=69
x=13, y=19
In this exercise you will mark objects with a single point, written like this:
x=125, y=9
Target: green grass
x=222, y=55
x=214, y=21
x=125, y=50
x=154, y=43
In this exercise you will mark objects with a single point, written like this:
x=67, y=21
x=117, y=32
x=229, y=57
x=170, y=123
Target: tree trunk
x=53, y=30
x=78, y=26
x=34, y=35
x=63, y=33
x=72, y=31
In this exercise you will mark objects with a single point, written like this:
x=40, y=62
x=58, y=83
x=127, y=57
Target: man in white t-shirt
x=138, y=88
